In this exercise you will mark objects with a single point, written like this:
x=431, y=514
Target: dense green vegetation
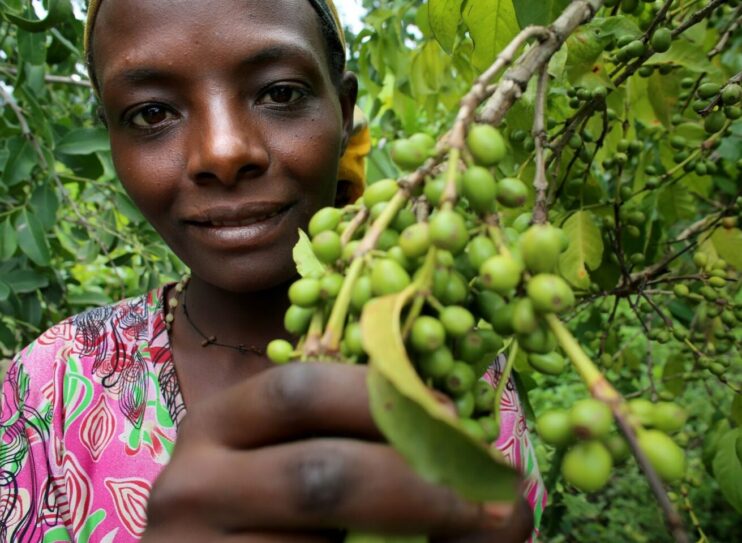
x=641, y=155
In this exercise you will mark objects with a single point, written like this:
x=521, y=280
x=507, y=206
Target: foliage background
x=70, y=238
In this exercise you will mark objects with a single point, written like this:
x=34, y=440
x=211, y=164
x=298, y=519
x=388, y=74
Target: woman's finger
x=314, y=484
x=286, y=403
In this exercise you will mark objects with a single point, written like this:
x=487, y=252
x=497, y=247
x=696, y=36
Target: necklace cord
x=207, y=340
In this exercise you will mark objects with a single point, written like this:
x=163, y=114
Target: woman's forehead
x=132, y=31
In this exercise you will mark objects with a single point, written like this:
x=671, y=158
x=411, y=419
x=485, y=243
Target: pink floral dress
x=89, y=416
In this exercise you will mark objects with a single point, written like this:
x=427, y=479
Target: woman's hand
x=291, y=455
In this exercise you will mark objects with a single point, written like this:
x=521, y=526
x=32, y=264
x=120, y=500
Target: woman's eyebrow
x=267, y=55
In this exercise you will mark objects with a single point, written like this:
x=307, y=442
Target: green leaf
x=736, y=414
x=727, y=244
x=307, y=263
x=444, y=17
x=672, y=375
x=675, y=203
x=31, y=238
x=688, y=55
x=541, y=12
x=59, y=10
x=32, y=47
x=4, y=290
x=45, y=203
x=492, y=25
x=727, y=467
x=416, y=423
x=21, y=161
x=25, y=280
x=8, y=240
x=663, y=93
x=83, y=141
x=585, y=251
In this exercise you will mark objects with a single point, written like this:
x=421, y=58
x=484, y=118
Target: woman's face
x=225, y=126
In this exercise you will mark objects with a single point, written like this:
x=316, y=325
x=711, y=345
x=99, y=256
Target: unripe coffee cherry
x=590, y=419
x=448, y=231
x=661, y=40
x=512, y=192
x=550, y=293
x=587, y=466
x=500, y=273
x=554, y=428
x=541, y=246
x=663, y=453
x=415, y=240
x=486, y=144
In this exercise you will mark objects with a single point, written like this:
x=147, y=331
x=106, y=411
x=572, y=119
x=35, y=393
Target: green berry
x=436, y=365
x=479, y=188
x=484, y=397
x=486, y=144
x=354, y=339
x=388, y=277
x=381, y=191
x=550, y=363
x=587, y=466
x=661, y=40
x=541, y=246
x=512, y=192
x=457, y=320
x=327, y=246
x=327, y=218
x=415, y=240
x=663, y=453
x=305, y=292
x=448, y=231
x=297, y=319
x=461, y=379
x=550, y=293
x=500, y=273
x=590, y=419
x=280, y=351
x=554, y=428
x=708, y=90
x=479, y=250
x=427, y=334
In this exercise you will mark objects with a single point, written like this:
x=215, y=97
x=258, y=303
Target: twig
x=735, y=80
x=482, y=88
x=541, y=183
x=734, y=24
x=516, y=79
x=56, y=79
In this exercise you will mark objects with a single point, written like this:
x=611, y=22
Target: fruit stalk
x=602, y=390
x=335, y=325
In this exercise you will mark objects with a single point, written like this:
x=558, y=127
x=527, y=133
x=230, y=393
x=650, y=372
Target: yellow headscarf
x=352, y=170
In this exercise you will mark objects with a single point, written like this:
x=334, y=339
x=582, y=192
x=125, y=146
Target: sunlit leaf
x=492, y=24
x=585, y=251
x=444, y=17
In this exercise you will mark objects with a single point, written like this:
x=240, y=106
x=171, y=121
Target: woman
x=227, y=124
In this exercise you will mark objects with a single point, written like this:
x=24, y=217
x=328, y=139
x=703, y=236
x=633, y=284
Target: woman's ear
x=348, y=97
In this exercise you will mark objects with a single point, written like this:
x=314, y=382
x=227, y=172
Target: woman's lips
x=230, y=231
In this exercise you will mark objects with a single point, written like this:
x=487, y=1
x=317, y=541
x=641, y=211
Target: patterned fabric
x=88, y=419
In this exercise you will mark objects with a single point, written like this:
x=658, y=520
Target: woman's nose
x=225, y=145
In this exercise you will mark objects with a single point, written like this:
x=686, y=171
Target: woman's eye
x=283, y=94
x=150, y=116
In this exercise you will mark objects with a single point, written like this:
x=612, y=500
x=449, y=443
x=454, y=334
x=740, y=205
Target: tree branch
x=540, y=182
x=515, y=80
